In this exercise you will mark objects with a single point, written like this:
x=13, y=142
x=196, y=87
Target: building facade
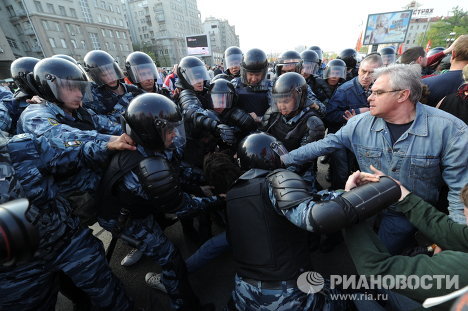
x=160, y=26
x=221, y=36
x=73, y=27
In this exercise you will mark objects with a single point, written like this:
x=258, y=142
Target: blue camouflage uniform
x=28, y=167
x=107, y=103
x=10, y=111
x=147, y=230
x=51, y=121
x=5, y=109
x=249, y=297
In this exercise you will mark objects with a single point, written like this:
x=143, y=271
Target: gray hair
x=403, y=77
x=373, y=58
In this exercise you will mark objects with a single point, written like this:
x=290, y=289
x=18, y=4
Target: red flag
x=400, y=49
x=359, y=42
x=428, y=45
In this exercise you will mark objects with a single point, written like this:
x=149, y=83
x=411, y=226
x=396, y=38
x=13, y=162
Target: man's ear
x=403, y=96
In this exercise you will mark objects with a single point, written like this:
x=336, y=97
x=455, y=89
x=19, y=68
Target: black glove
x=226, y=133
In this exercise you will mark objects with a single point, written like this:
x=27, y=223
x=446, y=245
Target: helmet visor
x=70, y=91
x=105, y=74
x=233, y=60
x=279, y=148
x=286, y=103
x=145, y=72
x=388, y=59
x=222, y=100
x=172, y=133
x=289, y=65
x=309, y=68
x=195, y=75
x=335, y=72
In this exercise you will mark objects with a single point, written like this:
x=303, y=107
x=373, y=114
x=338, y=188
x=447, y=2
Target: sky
x=277, y=26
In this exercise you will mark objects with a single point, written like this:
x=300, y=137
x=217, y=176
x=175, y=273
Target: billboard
x=197, y=45
x=388, y=27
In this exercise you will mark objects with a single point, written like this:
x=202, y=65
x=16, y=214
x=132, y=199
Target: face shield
x=233, y=60
x=279, y=149
x=286, y=103
x=222, y=100
x=145, y=72
x=70, y=91
x=105, y=74
x=289, y=65
x=388, y=59
x=195, y=75
x=172, y=133
x=335, y=72
x=309, y=68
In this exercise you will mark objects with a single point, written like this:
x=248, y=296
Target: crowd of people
x=140, y=149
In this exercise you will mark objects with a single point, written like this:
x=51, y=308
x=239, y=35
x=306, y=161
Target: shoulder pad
x=288, y=188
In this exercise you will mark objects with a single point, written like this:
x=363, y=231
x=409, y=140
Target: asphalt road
x=212, y=283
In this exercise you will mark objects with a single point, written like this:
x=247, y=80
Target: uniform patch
x=72, y=143
x=53, y=122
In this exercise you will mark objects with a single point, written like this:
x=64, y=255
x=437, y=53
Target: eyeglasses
x=378, y=92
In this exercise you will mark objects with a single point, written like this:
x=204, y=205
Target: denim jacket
x=432, y=150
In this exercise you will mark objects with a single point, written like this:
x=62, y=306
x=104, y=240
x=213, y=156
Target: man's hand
x=35, y=100
x=450, y=49
x=122, y=142
x=404, y=191
x=349, y=114
x=359, y=178
x=255, y=117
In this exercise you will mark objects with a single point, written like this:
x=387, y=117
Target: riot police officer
x=12, y=107
x=268, y=214
x=252, y=87
x=310, y=67
x=350, y=57
x=289, y=61
x=291, y=121
x=110, y=96
x=142, y=72
x=388, y=55
x=319, y=52
x=149, y=183
x=232, y=59
x=29, y=169
x=334, y=75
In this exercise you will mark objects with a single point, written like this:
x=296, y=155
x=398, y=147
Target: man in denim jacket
x=409, y=141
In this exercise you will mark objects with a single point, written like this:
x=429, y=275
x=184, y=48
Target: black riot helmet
x=191, y=71
x=101, y=67
x=350, y=57
x=255, y=61
x=310, y=62
x=260, y=150
x=290, y=87
x=22, y=73
x=154, y=122
x=289, y=61
x=140, y=67
x=233, y=57
x=335, y=69
x=388, y=55
x=59, y=81
x=435, y=51
x=20, y=238
x=67, y=57
x=319, y=52
x=222, y=93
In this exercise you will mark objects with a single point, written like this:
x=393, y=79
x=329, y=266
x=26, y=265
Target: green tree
x=440, y=31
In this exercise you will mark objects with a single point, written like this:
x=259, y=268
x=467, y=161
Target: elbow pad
x=355, y=205
x=160, y=182
x=243, y=120
x=289, y=189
